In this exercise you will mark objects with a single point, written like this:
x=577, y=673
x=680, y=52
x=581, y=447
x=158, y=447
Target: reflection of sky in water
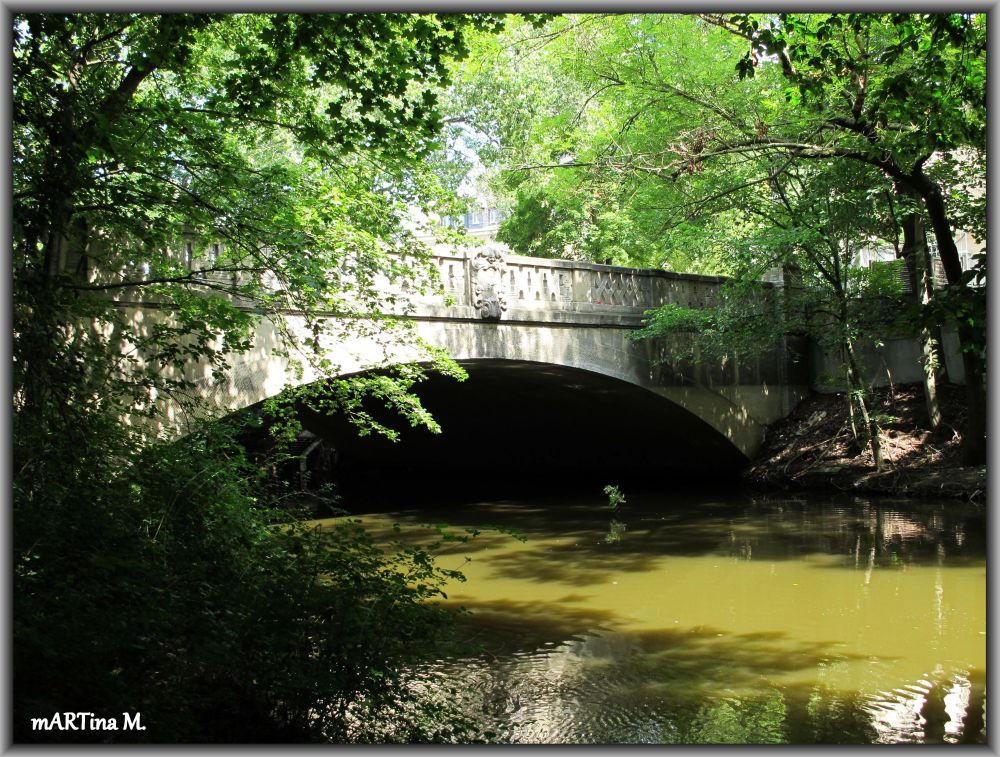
x=590, y=691
x=720, y=621
x=908, y=714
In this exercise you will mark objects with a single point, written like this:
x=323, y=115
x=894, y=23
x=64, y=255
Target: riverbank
x=813, y=449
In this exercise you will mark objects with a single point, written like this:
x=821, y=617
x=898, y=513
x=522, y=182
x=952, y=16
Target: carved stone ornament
x=488, y=268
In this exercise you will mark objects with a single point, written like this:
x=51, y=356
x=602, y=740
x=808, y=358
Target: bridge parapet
x=487, y=283
x=528, y=283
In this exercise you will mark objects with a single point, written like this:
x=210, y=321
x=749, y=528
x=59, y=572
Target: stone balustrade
x=525, y=283
x=486, y=283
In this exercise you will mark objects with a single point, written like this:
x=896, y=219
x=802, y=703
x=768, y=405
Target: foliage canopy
x=665, y=140
x=226, y=168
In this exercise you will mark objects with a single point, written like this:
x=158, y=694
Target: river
x=727, y=617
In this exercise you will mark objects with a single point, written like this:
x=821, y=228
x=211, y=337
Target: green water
x=737, y=619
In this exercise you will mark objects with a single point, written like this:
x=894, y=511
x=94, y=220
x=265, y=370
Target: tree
x=892, y=91
x=162, y=585
x=150, y=574
x=577, y=116
x=654, y=107
x=818, y=217
x=288, y=138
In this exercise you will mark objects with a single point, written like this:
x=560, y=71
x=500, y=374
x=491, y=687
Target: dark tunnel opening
x=513, y=424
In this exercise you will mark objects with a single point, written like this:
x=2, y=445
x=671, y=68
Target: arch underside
x=526, y=419
x=737, y=407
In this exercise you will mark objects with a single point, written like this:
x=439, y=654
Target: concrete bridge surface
x=548, y=331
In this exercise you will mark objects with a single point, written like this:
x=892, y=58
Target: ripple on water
x=780, y=621
x=597, y=690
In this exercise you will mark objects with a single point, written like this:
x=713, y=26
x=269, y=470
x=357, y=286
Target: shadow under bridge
x=517, y=420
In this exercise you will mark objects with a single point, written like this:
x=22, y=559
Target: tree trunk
x=919, y=269
x=856, y=388
x=974, y=434
x=974, y=438
x=850, y=409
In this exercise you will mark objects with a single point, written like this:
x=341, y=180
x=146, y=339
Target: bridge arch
x=542, y=315
x=521, y=418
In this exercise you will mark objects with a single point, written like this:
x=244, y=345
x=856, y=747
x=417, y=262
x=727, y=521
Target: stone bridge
x=546, y=343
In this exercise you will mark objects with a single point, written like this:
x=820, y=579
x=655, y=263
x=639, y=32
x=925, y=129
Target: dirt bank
x=813, y=448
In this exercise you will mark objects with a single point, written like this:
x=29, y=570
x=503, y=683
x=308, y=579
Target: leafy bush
x=154, y=581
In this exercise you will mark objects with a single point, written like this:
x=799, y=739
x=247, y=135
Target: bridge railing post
x=581, y=285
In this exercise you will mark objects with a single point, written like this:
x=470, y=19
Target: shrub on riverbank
x=152, y=581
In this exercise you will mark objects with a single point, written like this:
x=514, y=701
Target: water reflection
x=586, y=691
x=719, y=620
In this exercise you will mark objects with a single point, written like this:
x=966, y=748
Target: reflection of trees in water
x=945, y=710
x=683, y=688
x=817, y=715
x=861, y=533
x=942, y=708
x=579, y=547
x=542, y=681
x=616, y=529
x=876, y=535
x=705, y=688
x=736, y=720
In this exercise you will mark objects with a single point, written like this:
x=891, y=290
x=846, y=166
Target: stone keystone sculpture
x=488, y=268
